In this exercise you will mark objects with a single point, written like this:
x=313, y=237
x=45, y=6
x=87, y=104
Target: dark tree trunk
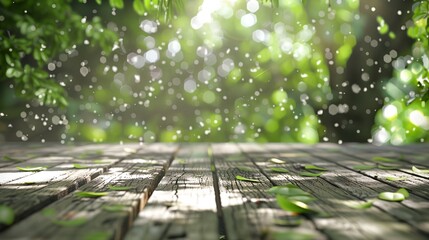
x=358, y=90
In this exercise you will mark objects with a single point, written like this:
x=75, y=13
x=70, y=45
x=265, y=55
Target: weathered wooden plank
x=141, y=173
x=249, y=212
x=413, y=181
x=183, y=205
x=363, y=187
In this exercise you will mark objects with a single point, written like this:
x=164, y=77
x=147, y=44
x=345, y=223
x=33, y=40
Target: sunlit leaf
x=310, y=174
x=70, y=223
x=384, y=160
x=417, y=170
x=119, y=188
x=313, y=167
x=138, y=6
x=393, y=178
x=404, y=192
x=292, y=206
x=7, y=215
x=391, y=196
x=360, y=205
x=276, y=161
x=79, y=166
x=115, y=208
x=241, y=178
x=99, y=161
x=91, y=194
x=363, y=167
x=31, y=169
x=279, y=170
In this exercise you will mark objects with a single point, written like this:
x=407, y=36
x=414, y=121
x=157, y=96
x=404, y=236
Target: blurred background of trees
x=143, y=70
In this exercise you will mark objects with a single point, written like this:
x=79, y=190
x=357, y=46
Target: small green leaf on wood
x=417, y=170
x=241, y=178
x=115, y=208
x=310, y=174
x=7, y=215
x=70, y=223
x=119, y=188
x=384, y=160
x=279, y=170
x=393, y=178
x=245, y=169
x=31, y=169
x=363, y=167
x=404, y=192
x=364, y=205
x=91, y=194
x=391, y=196
x=288, y=191
x=49, y=212
x=277, y=161
x=292, y=206
x=79, y=166
x=313, y=167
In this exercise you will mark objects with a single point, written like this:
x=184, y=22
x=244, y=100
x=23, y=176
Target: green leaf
x=363, y=167
x=309, y=174
x=7, y=215
x=139, y=7
x=116, y=3
x=391, y=196
x=313, y=167
x=119, y=188
x=288, y=191
x=99, y=161
x=417, y=170
x=277, y=161
x=91, y=194
x=98, y=2
x=279, y=170
x=115, y=208
x=241, y=178
x=245, y=169
x=70, y=223
x=292, y=206
x=384, y=160
x=392, y=178
x=360, y=205
x=31, y=169
x=404, y=192
x=79, y=166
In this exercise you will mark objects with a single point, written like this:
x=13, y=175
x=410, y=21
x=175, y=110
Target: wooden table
x=191, y=191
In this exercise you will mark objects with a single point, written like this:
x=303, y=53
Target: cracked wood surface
x=190, y=191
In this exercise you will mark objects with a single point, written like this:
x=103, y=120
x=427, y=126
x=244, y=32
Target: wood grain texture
x=183, y=205
x=141, y=172
x=249, y=211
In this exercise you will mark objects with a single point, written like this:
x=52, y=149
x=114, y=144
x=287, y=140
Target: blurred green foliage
x=166, y=70
x=405, y=115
